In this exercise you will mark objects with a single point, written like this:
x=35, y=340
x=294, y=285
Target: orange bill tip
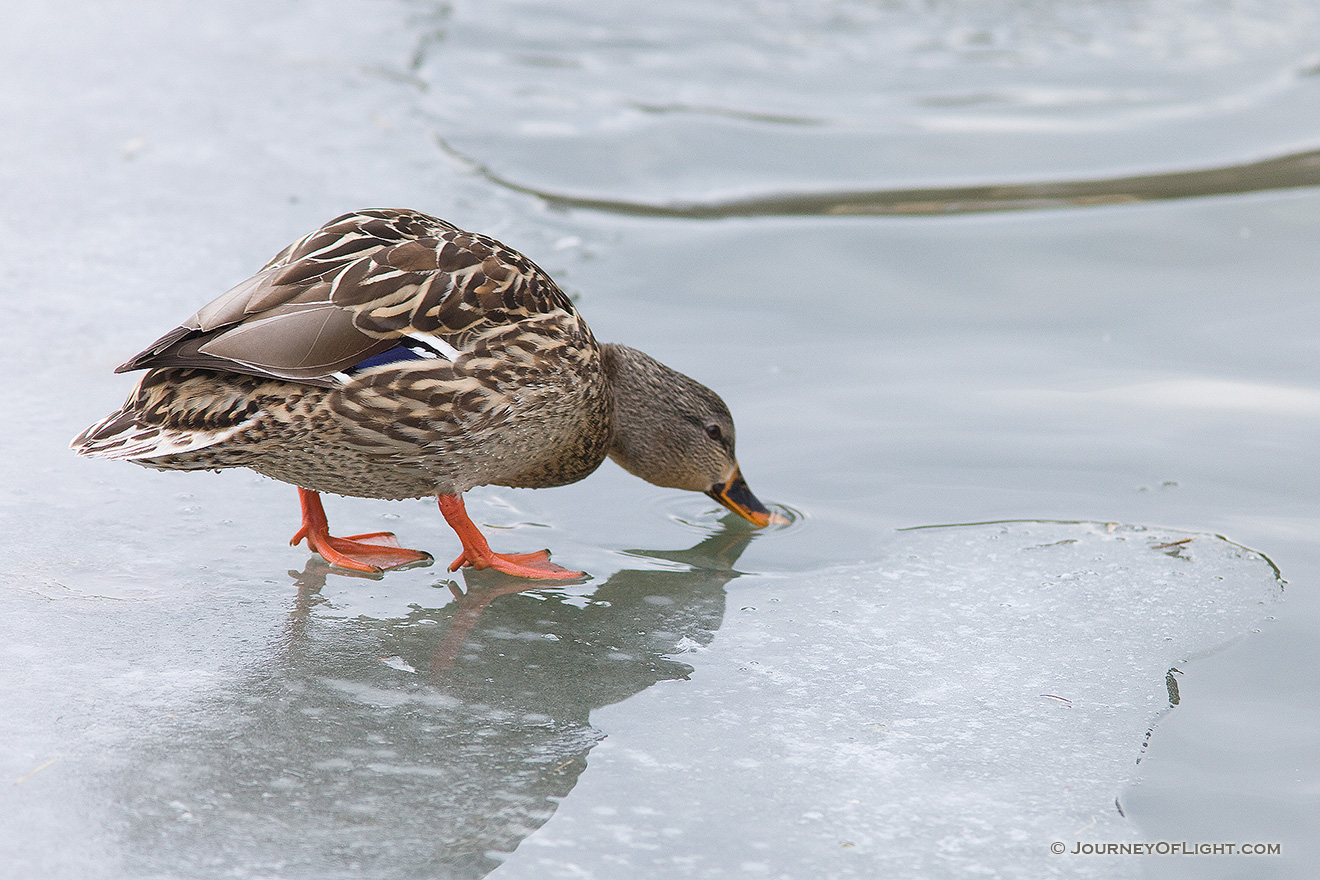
x=735, y=495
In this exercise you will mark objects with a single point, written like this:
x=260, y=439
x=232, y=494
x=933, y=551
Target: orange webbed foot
x=376, y=552
x=525, y=565
x=373, y=552
x=477, y=553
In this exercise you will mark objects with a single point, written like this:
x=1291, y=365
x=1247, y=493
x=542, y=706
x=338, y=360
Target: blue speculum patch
x=394, y=355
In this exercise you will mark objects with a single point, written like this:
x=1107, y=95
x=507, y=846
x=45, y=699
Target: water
x=1128, y=345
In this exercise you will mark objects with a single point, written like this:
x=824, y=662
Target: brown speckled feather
x=354, y=288
x=508, y=389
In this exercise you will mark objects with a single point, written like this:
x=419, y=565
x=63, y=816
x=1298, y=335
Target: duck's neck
x=634, y=379
x=651, y=404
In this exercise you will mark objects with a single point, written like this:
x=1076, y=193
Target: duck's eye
x=714, y=433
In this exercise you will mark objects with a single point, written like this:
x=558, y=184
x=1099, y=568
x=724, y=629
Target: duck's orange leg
x=373, y=552
x=477, y=553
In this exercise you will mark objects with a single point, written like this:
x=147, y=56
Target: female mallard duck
x=390, y=354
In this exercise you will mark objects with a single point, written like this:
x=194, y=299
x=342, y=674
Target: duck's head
x=673, y=431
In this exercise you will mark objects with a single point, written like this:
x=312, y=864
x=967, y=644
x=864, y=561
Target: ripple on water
x=697, y=513
x=686, y=110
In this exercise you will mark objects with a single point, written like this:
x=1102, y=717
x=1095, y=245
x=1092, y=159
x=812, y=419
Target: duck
x=390, y=354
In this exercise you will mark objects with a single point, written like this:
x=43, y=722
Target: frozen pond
x=971, y=692
x=1049, y=265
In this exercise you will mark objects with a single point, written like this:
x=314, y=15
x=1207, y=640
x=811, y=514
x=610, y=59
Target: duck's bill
x=737, y=497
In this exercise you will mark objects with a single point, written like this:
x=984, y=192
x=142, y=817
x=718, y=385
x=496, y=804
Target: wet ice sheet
x=954, y=707
x=247, y=730
x=970, y=696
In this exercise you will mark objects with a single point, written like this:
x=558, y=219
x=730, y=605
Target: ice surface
x=956, y=705
x=946, y=711
x=226, y=735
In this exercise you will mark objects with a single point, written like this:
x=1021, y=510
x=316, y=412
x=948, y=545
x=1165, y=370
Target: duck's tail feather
x=135, y=433
x=121, y=436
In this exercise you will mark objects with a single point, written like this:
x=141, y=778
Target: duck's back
x=387, y=354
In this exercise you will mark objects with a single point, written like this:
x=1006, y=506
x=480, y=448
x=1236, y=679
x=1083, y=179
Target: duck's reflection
x=417, y=747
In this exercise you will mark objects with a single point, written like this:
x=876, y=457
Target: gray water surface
x=805, y=206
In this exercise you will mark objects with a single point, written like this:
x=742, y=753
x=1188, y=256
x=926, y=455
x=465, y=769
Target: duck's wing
x=355, y=289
